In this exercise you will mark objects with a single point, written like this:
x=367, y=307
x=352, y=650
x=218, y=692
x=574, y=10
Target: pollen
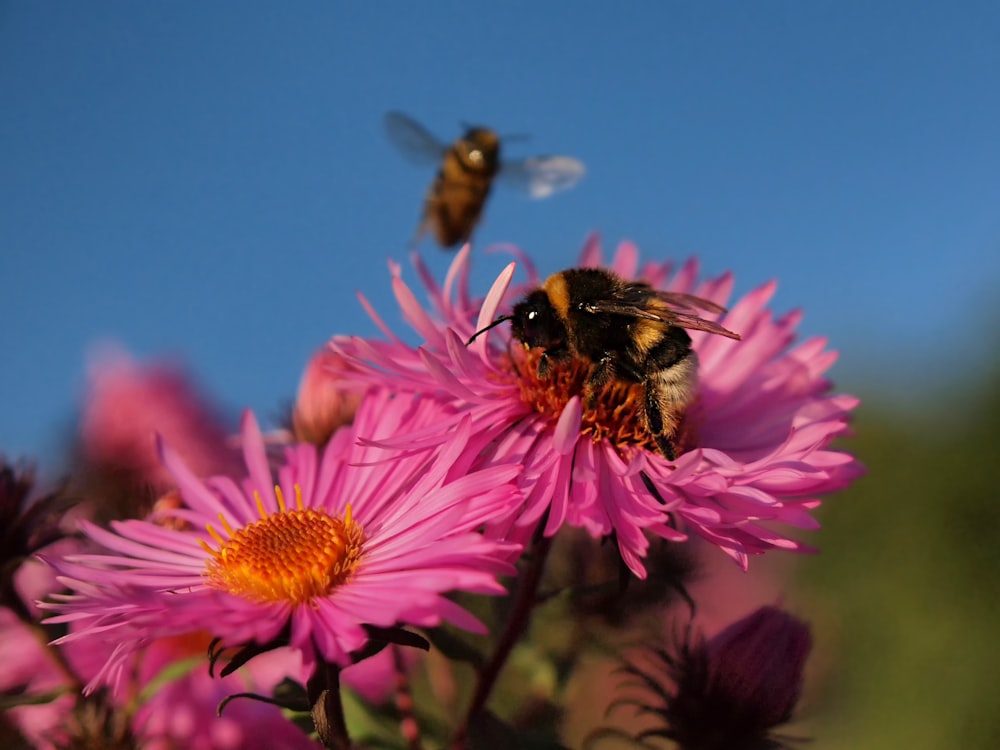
x=295, y=555
x=614, y=412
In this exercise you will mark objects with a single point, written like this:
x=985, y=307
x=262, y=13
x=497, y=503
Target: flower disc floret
x=293, y=555
x=613, y=412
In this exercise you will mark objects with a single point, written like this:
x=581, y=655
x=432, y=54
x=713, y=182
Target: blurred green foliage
x=905, y=598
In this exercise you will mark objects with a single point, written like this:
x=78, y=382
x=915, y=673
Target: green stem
x=327, y=708
x=520, y=617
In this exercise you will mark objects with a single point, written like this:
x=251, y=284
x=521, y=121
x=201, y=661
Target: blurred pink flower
x=359, y=535
x=754, y=447
x=181, y=713
x=28, y=669
x=127, y=405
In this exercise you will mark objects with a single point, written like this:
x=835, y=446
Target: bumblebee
x=627, y=331
x=466, y=172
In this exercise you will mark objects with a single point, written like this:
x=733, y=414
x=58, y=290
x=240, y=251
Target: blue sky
x=211, y=180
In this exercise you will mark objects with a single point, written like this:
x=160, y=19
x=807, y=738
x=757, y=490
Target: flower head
x=757, y=662
x=752, y=447
x=344, y=539
x=730, y=692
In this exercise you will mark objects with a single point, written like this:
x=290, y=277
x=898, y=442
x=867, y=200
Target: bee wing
x=621, y=308
x=413, y=140
x=690, y=301
x=670, y=317
x=541, y=176
x=694, y=323
x=690, y=321
x=629, y=299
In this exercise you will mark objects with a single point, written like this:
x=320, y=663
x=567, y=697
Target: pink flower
x=753, y=448
x=358, y=535
x=127, y=405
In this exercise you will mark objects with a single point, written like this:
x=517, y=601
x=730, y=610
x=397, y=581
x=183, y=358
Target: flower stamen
x=614, y=412
x=289, y=556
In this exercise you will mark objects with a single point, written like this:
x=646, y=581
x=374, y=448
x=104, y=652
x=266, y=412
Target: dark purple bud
x=757, y=663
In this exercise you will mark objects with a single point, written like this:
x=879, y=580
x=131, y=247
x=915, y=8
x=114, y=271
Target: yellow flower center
x=615, y=413
x=290, y=556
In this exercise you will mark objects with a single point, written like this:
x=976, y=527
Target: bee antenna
x=494, y=324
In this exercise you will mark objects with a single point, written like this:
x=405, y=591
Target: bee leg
x=600, y=375
x=671, y=382
x=548, y=357
x=544, y=366
x=660, y=426
x=666, y=447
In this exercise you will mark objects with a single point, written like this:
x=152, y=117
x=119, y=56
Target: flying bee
x=467, y=170
x=627, y=331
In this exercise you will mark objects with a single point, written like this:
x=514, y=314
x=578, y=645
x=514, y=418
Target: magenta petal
x=487, y=313
x=590, y=256
x=376, y=319
x=626, y=260
x=458, y=269
x=256, y=459
x=414, y=313
x=568, y=427
x=192, y=488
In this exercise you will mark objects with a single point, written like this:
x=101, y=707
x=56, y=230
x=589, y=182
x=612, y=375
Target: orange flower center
x=290, y=556
x=615, y=412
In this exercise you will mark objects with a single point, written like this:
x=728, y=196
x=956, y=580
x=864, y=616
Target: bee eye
x=532, y=315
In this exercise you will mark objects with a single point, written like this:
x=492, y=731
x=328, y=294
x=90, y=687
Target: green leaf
x=16, y=697
x=173, y=671
x=455, y=648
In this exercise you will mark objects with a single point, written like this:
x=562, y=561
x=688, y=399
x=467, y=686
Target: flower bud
x=756, y=665
x=322, y=404
x=28, y=523
x=729, y=692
